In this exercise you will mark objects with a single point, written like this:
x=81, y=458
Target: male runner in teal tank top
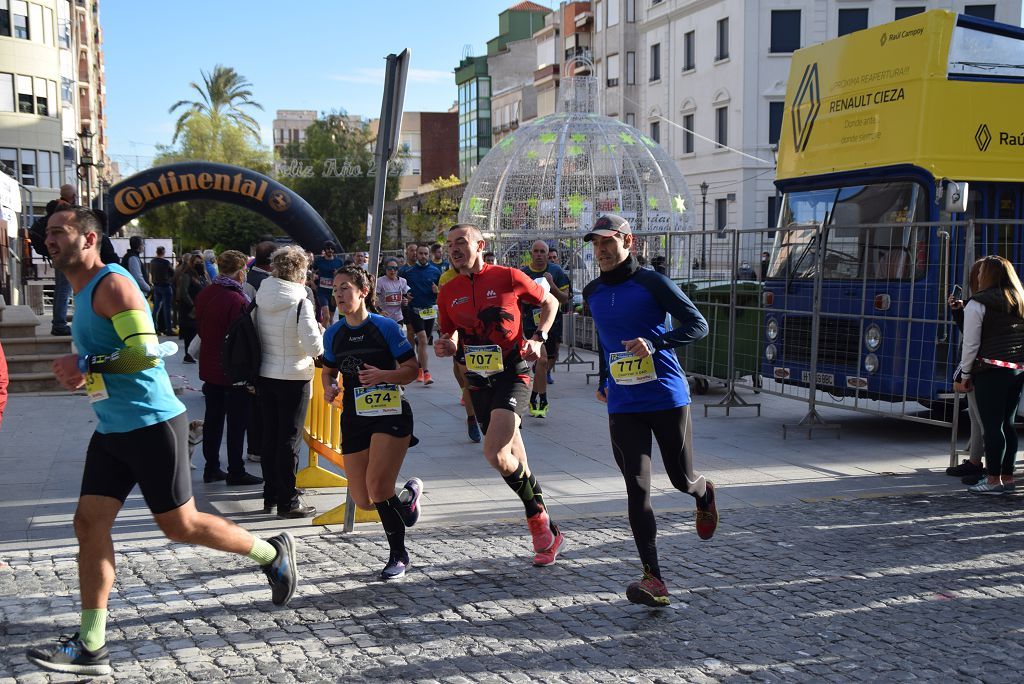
x=141, y=439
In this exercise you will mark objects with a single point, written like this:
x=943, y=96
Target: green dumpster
x=709, y=357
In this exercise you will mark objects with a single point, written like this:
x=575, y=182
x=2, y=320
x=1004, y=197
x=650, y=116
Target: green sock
x=93, y=631
x=262, y=552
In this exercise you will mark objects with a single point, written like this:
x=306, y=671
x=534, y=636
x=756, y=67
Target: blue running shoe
x=71, y=656
x=474, y=430
x=282, y=572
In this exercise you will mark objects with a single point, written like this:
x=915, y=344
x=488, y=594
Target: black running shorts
x=418, y=324
x=357, y=430
x=509, y=390
x=155, y=457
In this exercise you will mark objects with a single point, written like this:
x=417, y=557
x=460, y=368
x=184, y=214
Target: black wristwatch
x=541, y=334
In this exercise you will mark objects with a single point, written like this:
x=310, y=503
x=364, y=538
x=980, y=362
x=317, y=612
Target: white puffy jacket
x=288, y=347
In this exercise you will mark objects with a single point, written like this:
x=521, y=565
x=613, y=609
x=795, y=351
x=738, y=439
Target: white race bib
x=484, y=359
x=628, y=369
x=326, y=283
x=378, y=400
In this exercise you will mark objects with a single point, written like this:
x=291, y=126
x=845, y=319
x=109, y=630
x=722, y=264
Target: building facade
x=290, y=126
x=511, y=55
x=707, y=81
x=52, y=97
x=427, y=143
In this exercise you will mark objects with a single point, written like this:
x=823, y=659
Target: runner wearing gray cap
x=645, y=388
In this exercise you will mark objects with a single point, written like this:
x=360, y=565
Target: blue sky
x=303, y=54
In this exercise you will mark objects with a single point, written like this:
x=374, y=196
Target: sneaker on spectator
x=649, y=591
x=986, y=488
x=967, y=467
x=973, y=479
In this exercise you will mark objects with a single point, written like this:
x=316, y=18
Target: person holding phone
x=970, y=471
x=992, y=364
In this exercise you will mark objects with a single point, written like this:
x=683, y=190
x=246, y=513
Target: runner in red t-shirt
x=481, y=309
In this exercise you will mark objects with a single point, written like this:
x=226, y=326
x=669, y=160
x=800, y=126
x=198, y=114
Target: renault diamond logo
x=983, y=137
x=805, y=107
x=885, y=37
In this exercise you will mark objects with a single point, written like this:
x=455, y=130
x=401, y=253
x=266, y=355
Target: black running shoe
x=71, y=656
x=965, y=468
x=395, y=568
x=282, y=571
x=410, y=498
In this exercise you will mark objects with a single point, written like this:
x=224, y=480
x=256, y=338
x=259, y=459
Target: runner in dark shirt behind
x=481, y=309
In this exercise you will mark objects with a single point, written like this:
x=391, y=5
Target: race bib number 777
x=629, y=369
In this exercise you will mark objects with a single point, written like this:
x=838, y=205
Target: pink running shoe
x=540, y=530
x=549, y=555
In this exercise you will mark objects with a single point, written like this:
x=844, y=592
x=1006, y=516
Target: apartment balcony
x=547, y=74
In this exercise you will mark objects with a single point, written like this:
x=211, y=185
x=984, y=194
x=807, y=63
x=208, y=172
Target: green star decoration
x=578, y=137
x=532, y=203
x=647, y=141
x=575, y=205
x=575, y=150
x=679, y=204
x=627, y=138
x=548, y=138
x=507, y=209
x=505, y=142
x=652, y=202
x=532, y=154
x=476, y=205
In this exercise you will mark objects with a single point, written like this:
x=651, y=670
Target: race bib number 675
x=629, y=369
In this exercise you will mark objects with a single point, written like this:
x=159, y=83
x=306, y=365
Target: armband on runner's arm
x=141, y=351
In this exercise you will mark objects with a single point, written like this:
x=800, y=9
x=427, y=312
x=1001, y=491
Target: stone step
x=34, y=382
x=30, y=363
x=38, y=344
x=18, y=321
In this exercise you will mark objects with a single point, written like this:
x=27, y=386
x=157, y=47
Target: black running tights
x=631, y=445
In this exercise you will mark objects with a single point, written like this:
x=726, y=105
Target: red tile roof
x=529, y=7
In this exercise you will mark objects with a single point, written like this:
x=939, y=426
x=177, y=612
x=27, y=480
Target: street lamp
x=703, y=224
x=86, y=161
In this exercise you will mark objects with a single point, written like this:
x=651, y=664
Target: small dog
x=195, y=436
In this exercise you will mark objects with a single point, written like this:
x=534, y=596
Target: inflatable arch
x=199, y=180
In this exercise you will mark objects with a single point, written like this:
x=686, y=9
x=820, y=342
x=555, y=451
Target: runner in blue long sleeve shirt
x=645, y=389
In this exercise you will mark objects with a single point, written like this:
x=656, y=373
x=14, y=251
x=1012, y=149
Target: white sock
x=698, y=486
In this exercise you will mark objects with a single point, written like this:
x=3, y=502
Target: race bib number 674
x=378, y=400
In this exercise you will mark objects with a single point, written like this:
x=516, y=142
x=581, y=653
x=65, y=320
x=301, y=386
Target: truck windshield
x=887, y=251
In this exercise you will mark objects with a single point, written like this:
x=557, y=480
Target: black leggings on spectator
x=997, y=391
x=631, y=445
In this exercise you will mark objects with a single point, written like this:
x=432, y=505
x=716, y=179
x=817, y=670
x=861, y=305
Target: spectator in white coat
x=291, y=339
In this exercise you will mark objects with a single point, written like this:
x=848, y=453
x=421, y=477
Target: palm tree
x=223, y=95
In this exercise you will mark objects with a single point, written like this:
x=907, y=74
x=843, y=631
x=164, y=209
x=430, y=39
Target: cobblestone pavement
x=888, y=589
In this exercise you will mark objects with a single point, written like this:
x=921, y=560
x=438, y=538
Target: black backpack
x=37, y=234
x=241, y=353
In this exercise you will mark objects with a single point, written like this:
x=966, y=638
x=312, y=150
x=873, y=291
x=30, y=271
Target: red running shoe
x=707, y=513
x=650, y=591
x=540, y=530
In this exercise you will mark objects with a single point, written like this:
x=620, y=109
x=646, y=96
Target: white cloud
x=376, y=76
